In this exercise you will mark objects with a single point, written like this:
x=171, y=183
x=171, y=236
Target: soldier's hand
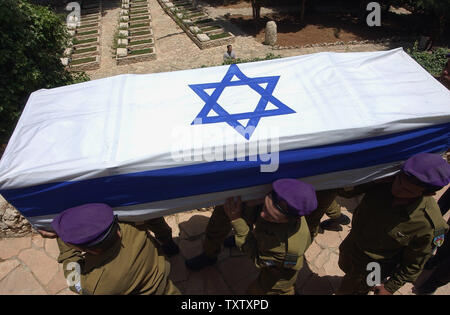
x=380, y=290
x=233, y=209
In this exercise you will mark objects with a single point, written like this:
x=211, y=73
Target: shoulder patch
x=78, y=287
x=439, y=240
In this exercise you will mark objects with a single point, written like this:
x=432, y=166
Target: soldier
x=163, y=234
x=278, y=241
x=103, y=256
x=328, y=205
x=441, y=261
x=445, y=75
x=396, y=225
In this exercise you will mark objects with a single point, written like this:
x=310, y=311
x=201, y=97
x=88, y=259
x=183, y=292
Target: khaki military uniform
x=135, y=265
x=326, y=204
x=276, y=248
x=162, y=231
x=399, y=238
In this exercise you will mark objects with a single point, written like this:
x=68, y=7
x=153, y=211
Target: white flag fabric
x=156, y=144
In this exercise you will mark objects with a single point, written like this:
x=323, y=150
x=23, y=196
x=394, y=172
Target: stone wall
x=12, y=223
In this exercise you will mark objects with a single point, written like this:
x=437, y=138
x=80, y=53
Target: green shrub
x=88, y=25
x=87, y=33
x=433, y=61
x=210, y=28
x=217, y=36
x=84, y=41
x=140, y=33
x=239, y=60
x=141, y=51
x=203, y=21
x=139, y=25
x=138, y=12
x=32, y=39
x=83, y=60
x=138, y=42
x=145, y=17
x=84, y=50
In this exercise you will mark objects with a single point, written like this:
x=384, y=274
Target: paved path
x=176, y=51
x=28, y=265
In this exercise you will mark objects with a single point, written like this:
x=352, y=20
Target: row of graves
x=135, y=41
x=204, y=31
x=84, y=53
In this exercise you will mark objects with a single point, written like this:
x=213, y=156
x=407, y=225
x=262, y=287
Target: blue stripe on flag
x=177, y=182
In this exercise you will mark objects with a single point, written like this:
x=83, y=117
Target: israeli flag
x=157, y=144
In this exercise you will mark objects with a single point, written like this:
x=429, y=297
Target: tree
x=439, y=12
x=257, y=4
x=32, y=40
x=436, y=14
x=302, y=11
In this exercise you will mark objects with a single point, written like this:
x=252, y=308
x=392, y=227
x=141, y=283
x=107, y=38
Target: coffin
x=156, y=144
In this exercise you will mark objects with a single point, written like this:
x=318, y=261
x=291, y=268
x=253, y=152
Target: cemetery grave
x=204, y=31
x=84, y=54
x=135, y=41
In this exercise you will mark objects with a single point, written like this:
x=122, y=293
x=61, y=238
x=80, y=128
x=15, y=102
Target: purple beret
x=300, y=196
x=83, y=224
x=429, y=169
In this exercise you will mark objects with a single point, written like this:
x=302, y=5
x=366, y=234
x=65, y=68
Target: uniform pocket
x=398, y=236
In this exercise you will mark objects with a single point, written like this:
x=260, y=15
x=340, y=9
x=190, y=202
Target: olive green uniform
x=134, y=265
x=399, y=238
x=326, y=204
x=276, y=248
x=162, y=231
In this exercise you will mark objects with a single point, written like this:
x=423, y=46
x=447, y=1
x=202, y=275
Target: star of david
x=233, y=119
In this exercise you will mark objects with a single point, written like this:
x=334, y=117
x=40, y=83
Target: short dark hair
x=414, y=180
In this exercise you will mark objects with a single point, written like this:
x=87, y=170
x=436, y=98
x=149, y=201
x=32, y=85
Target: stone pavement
x=28, y=264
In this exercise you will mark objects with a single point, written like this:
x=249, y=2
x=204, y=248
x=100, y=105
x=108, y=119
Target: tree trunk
x=302, y=12
x=195, y=3
x=256, y=8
